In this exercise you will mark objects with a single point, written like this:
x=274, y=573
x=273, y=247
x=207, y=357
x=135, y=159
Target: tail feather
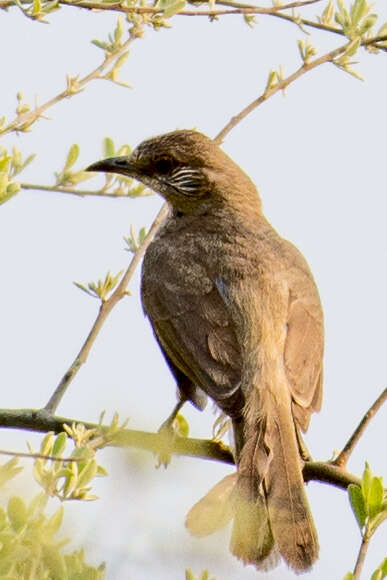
x=289, y=513
x=272, y=513
x=265, y=498
x=252, y=540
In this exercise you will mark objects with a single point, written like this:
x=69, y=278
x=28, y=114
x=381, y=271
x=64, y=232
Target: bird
x=237, y=315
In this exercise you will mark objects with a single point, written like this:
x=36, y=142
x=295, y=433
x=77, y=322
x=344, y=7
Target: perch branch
x=41, y=421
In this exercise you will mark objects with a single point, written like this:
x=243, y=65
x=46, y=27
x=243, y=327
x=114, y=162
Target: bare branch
x=342, y=458
x=280, y=86
x=104, y=311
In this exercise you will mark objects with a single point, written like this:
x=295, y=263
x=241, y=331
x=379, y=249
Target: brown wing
x=192, y=326
x=303, y=355
x=188, y=389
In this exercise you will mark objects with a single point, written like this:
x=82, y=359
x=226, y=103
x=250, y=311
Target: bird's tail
x=271, y=511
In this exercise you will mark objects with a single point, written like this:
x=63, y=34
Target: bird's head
x=187, y=168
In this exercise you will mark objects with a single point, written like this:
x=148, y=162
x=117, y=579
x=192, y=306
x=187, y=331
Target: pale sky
x=317, y=156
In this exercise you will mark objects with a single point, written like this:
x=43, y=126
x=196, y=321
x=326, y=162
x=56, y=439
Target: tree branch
x=24, y=120
x=237, y=8
x=104, y=311
x=280, y=86
x=360, y=558
x=41, y=421
x=342, y=458
x=71, y=191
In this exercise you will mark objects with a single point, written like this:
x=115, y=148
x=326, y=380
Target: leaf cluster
x=11, y=164
x=102, y=288
x=29, y=542
x=67, y=480
x=368, y=502
x=369, y=505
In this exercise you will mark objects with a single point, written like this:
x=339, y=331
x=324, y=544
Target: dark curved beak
x=121, y=165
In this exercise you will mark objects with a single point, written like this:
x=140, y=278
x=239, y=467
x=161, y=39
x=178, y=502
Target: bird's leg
x=167, y=424
x=304, y=451
x=167, y=434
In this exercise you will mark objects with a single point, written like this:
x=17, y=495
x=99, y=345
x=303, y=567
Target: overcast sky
x=318, y=158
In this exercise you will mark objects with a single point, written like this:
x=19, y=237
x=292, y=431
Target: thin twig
x=280, y=86
x=238, y=8
x=71, y=191
x=119, y=7
x=342, y=458
x=360, y=558
x=41, y=421
x=272, y=9
x=104, y=311
x=40, y=456
x=26, y=119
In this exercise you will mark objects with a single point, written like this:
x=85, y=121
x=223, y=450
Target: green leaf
x=72, y=156
x=142, y=235
x=366, y=482
x=47, y=443
x=358, y=10
x=60, y=444
x=174, y=7
x=375, y=497
x=87, y=473
x=108, y=147
x=17, y=512
x=9, y=470
x=28, y=161
x=342, y=16
x=5, y=164
x=119, y=30
x=328, y=13
x=101, y=471
x=100, y=44
x=368, y=23
x=348, y=576
x=357, y=503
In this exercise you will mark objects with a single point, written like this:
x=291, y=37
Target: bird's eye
x=164, y=165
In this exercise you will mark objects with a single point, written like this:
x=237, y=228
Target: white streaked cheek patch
x=188, y=181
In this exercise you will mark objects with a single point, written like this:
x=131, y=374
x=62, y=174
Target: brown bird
x=237, y=315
